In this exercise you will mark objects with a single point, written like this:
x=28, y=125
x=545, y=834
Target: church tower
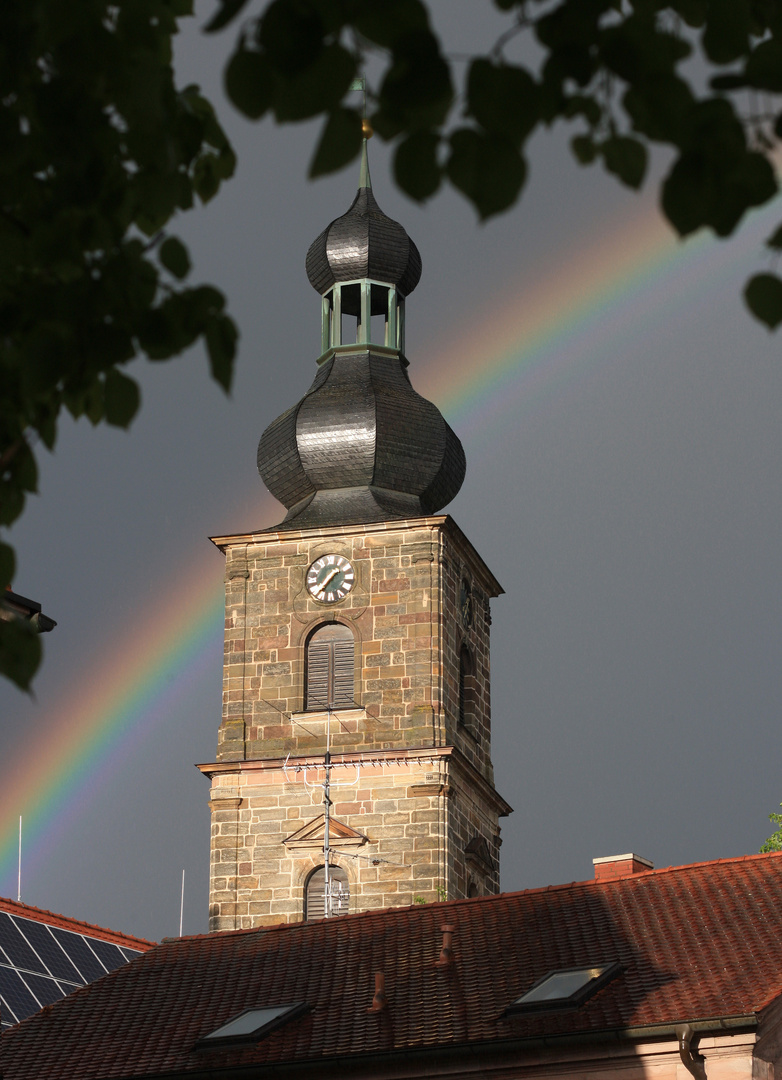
x=353, y=765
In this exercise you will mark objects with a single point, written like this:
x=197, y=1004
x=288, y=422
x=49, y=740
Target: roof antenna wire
x=182, y=904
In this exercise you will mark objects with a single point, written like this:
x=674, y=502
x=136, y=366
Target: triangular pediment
x=313, y=832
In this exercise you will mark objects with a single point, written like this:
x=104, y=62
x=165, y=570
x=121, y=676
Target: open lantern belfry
x=353, y=767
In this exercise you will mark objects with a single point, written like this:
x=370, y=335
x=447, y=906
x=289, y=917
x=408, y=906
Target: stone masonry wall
x=258, y=880
x=403, y=611
x=406, y=611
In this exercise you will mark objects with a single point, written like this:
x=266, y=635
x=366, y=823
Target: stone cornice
x=423, y=754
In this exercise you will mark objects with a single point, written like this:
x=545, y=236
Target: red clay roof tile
x=695, y=942
x=25, y=911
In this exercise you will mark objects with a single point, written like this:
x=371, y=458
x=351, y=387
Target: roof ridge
x=17, y=907
x=479, y=900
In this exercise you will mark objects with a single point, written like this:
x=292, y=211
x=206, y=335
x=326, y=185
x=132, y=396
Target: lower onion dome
x=360, y=446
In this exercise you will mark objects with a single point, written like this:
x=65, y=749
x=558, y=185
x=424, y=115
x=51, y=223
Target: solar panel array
x=39, y=964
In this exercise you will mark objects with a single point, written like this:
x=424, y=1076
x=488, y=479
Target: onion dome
x=364, y=243
x=361, y=445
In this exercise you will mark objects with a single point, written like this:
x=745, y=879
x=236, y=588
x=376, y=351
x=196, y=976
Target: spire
x=364, y=179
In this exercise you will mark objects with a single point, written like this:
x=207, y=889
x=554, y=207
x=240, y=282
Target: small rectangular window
x=565, y=989
x=251, y=1024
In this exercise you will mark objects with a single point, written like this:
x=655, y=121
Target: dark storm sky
x=627, y=498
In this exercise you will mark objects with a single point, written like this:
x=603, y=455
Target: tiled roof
x=25, y=911
x=697, y=942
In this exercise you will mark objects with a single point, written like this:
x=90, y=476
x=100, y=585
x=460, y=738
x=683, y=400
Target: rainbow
x=489, y=370
x=143, y=673
x=527, y=343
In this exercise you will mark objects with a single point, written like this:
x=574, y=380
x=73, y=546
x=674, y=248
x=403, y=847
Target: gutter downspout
x=694, y=1065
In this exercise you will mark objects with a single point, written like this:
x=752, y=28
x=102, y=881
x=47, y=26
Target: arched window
x=315, y=893
x=330, y=660
x=467, y=690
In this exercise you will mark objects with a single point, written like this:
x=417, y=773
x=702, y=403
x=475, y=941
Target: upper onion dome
x=364, y=243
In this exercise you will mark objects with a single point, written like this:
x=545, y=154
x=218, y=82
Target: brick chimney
x=614, y=866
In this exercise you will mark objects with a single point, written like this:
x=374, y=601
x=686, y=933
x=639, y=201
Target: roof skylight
x=251, y=1024
x=566, y=988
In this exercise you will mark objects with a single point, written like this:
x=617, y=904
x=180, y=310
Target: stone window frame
x=467, y=710
x=300, y=635
x=307, y=641
x=339, y=873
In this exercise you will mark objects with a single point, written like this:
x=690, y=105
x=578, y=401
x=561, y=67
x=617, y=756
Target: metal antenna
x=19, y=869
x=327, y=817
x=327, y=804
x=182, y=904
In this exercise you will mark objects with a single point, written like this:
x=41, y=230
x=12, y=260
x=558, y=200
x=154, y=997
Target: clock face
x=330, y=578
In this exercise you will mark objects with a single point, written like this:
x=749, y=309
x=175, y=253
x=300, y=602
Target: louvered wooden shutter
x=315, y=900
x=330, y=661
x=318, y=658
x=462, y=677
x=342, y=682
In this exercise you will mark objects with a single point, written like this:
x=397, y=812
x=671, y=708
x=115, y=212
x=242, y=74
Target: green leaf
x=385, y=23
x=249, y=83
x=625, y=158
x=774, y=842
x=417, y=90
x=775, y=240
x=24, y=469
x=291, y=34
x=640, y=52
x=206, y=177
x=316, y=89
x=11, y=502
x=490, y=172
x=157, y=335
x=174, y=256
x=339, y=143
x=584, y=149
x=20, y=651
x=716, y=179
x=221, y=338
x=582, y=105
x=505, y=100
x=728, y=82
x=693, y=12
x=763, y=294
x=726, y=36
x=659, y=107
x=416, y=169
x=701, y=191
x=229, y=9
x=7, y=565
x=764, y=66
x=570, y=34
x=121, y=398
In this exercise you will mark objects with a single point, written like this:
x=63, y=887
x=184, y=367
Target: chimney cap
x=613, y=866
x=630, y=857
